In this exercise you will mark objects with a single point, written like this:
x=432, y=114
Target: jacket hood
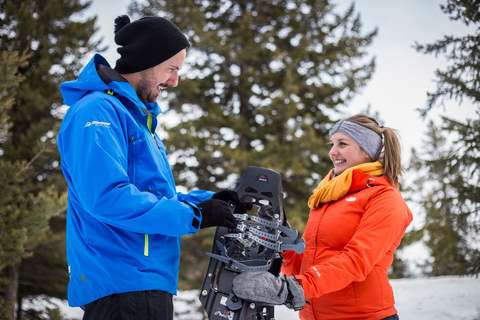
x=99, y=76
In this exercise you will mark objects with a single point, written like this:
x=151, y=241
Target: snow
x=438, y=298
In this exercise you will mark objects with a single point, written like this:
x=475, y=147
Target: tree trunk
x=11, y=291
x=19, y=307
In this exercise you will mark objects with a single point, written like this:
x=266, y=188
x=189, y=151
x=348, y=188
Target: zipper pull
x=155, y=137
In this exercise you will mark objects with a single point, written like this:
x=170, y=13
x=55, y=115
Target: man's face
x=153, y=80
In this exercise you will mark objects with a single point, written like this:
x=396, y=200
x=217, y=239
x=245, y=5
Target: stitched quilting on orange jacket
x=349, y=248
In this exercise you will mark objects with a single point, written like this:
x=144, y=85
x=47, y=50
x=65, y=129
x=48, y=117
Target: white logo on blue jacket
x=97, y=124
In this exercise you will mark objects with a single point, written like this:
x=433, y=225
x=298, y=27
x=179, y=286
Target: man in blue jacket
x=125, y=217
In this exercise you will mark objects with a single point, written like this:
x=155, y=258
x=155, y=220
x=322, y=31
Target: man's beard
x=144, y=90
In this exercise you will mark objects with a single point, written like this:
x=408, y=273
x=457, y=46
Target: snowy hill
x=440, y=298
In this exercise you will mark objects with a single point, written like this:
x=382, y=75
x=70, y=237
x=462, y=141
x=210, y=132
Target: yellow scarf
x=333, y=189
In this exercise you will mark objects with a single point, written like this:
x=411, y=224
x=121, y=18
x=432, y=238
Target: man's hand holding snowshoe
x=266, y=288
x=232, y=197
x=216, y=213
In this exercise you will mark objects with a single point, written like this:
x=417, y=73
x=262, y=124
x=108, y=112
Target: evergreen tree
x=461, y=79
x=263, y=80
x=54, y=40
x=448, y=185
x=11, y=240
x=452, y=217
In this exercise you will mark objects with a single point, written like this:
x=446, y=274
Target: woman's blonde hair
x=390, y=152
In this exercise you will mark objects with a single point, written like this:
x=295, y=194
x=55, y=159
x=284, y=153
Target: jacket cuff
x=299, y=278
x=197, y=218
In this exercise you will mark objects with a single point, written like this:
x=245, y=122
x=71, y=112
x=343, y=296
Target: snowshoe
x=256, y=244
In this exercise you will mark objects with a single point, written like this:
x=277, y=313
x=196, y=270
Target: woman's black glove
x=232, y=197
x=216, y=213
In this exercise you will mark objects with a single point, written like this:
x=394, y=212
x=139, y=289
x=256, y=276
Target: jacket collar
x=99, y=76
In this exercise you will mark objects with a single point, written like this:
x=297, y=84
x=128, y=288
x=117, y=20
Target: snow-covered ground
x=440, y=298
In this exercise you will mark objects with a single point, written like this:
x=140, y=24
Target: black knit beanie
x=146, y=42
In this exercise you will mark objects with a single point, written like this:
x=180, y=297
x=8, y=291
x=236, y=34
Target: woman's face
x=345, y=152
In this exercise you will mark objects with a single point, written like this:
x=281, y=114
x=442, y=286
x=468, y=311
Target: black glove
x=232, y=197
x=266, y=288
x=216, y=213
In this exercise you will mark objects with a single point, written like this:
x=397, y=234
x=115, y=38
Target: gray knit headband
x=367, y=139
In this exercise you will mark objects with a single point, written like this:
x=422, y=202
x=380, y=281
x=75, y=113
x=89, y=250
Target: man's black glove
x=266, y=288
x=232, y=197
x=216, y=213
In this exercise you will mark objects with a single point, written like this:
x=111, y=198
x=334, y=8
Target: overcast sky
x=402, y=78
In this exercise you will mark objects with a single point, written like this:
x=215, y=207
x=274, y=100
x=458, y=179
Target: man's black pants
x=139, y=305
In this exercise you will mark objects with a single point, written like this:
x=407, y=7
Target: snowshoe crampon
x=256, y=244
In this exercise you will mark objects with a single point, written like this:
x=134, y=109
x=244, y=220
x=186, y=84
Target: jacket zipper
x=149, y=127
x=145, y=249
x=155, y=137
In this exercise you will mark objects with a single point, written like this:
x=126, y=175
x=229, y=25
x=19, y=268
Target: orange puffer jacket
x=349, y=248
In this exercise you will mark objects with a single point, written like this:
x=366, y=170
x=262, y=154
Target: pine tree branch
x=29, y=164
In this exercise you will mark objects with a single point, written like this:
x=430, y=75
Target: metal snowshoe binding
x=254, y=245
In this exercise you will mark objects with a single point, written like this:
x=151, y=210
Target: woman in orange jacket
x=357, y=219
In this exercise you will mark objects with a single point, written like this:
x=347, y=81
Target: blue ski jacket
x=124, y=217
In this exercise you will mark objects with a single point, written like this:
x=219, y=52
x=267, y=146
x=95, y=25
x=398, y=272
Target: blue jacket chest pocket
x=147, y=161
